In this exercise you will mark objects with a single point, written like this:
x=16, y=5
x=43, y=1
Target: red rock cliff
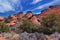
x=28, y=14
x=34, y=19
x=20, y=15
x=55, y=9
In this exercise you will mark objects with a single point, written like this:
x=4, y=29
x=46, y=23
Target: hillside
x=29, y=26
x=36, y=19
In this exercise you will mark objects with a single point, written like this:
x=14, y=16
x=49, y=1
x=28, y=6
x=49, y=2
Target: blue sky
x=8, y=7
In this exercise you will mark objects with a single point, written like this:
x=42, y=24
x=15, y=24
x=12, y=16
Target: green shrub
x=29, y=26
x=48, y=22
x=4, y=27
x=47, y=30
x=8, y=20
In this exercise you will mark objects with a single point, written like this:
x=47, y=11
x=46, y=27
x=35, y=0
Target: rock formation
x=12, y=16
x=28, y=14
x=20, y=15
x=36, y=19
x=13, y=19
x=51, y=9
x=1, y=18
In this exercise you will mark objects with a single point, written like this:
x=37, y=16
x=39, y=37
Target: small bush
x=4, y=27
x=8, y=20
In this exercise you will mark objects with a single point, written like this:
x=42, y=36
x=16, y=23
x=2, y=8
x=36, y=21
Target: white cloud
x=14, y=1
x=5, y=6
x=47, y=4
x=35, y=1
x=37, y=13
x=8, y=5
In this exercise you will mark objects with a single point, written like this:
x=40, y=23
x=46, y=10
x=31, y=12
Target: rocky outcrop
x=28, y=14
x=34, y=20
x=13, y=17
x=20, y=15
x=1, y=18
x=51, y=9
x=13, y=20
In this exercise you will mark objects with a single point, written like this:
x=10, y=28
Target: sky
x=8, y=7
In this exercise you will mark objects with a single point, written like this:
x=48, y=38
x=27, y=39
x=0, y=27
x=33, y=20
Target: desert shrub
x=57, y=23
x=47, y=30
x=4, y=27
x=48, y=22
x=29, y=26
x=8, y=20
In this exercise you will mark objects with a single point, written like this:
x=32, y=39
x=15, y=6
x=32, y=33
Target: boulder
x=1, y=18
x=3, y=38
